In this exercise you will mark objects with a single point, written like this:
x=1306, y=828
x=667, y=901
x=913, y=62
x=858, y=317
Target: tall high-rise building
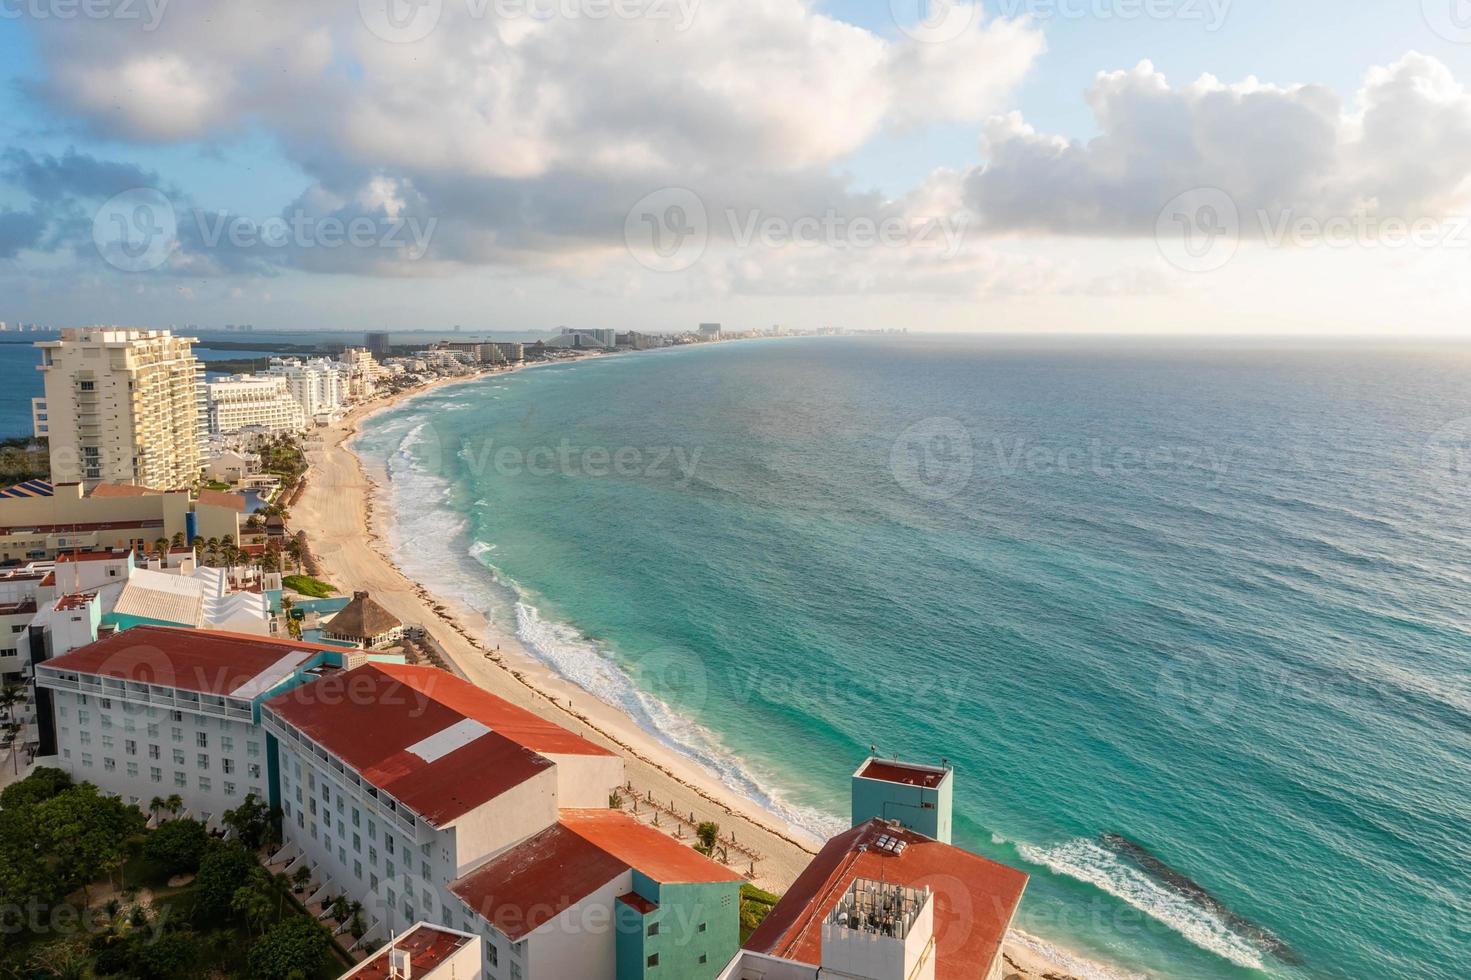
x=121, y=406
x=379, y=345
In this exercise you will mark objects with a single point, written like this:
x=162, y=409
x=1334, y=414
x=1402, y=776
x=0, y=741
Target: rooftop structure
x=225, y=665
x=365, y=623
x=425, y=952
x=917, y=796
x=974, y=901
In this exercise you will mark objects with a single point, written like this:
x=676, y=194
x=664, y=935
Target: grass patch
x=755, y=905
x=309, y=586
x=217, y=485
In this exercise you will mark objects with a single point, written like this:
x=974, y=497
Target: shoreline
x=341, y=500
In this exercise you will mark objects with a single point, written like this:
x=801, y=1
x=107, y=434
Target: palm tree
x=213, y=547
x=161, y=548
x=178, y=541
x=175, y=803
x=10, y=696
x=154, y=806
x=12, y=730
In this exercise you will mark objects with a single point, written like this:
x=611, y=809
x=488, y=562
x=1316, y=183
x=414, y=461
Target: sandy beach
x=340, y=504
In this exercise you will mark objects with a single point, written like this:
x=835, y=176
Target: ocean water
x=1191, y=623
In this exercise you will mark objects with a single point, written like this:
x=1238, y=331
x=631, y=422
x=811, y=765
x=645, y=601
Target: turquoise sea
x=1190, y=621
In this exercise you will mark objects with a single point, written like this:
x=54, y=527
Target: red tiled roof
x=428, y=946
x=519, y=725
x=122, y=490
x=533, y=882
x=91, y=556
x=371, y=718
x=895, y=772
x=640, y=846
x=218, y=498
x=975, y=899
x=206, y=661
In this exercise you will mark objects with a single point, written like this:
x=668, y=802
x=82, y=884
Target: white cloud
x=1404, y=149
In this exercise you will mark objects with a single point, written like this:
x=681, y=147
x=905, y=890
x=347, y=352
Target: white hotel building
x=245, y=400
x=154, y=711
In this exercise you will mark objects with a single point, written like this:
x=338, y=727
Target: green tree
x=41, y=785
x=708, y=832
x=177, y=846
x=252, y=901
x=171, y=956
x=86, y=834
x=251, y=821
x=226, y=866
x=291, y=950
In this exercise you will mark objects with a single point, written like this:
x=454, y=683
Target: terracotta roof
x=517, y=724
x=206, y=661
x=428, y=946
x=654, y=853
x=437, y=744
x=68, y=556
x=533, y=882
x=975, y=899
x=362, y=619
x=898, y=772
x=218, y=498
x=122, y=490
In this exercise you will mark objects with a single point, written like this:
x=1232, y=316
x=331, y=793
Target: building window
x=201, y=761
x=87, y=759
x=254, y=770
x=653, y=959
x=702, y=927
x=107, y=742
x=153, y=752
x=178, y=757
x=652, y=930
x=86, y=737
x=133, y=770
x=130, y=746
x=227, y=744
x=155, y=774
x=109, y=764
x=201, y=739
x=228, y=765
x=177, y=734
x=204, y=784
x=252, y=749
x=180, y=779
x=229, y=789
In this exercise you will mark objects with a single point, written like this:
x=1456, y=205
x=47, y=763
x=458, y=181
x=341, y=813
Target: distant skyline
x=1076, y=166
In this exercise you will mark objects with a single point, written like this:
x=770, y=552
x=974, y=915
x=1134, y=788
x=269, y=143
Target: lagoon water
x=1190, y=623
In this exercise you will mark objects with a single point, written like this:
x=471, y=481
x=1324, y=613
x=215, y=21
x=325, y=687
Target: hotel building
x=263, y=401
x=407, y=789
x=121, y=406
x=153, y=711
x=426, y=797
x=63, y=519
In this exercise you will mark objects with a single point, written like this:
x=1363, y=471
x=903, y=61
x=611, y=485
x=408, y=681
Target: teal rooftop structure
x=918, y=797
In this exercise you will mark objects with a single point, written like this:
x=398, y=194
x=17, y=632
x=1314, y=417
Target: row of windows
x=155, y=774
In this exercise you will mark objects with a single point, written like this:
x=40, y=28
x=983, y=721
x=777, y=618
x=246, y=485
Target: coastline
x=341, y=500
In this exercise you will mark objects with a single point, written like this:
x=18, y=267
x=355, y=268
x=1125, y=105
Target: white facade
x=121, y=406
x=265, y=401
x=211, y=756
x=318, y=385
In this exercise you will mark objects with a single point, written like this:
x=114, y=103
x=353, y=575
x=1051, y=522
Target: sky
x=1136, y=166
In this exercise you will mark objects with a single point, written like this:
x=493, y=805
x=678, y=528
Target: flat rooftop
x=930, y=777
